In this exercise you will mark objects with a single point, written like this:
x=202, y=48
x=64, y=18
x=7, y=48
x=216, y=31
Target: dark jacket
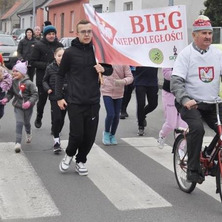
x=43, y=55
x=146, y=76
x=25, y=48
x=49, y=80
x=77, y=64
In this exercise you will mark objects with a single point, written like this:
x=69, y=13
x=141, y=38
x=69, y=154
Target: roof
x=59, y=2
x=29, y=8
x=12, y=10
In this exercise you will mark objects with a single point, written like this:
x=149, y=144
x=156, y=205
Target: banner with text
x=150, y=37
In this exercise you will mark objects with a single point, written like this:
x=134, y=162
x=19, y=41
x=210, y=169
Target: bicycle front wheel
x=219, y=175
x=180, y=164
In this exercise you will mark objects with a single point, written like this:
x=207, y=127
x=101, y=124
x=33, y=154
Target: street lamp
x=171, y=2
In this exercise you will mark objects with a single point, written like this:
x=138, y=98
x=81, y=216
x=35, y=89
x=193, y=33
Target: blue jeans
x=113, y=107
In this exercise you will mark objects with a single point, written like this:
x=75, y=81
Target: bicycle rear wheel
x=219, y=175
x=180, y=164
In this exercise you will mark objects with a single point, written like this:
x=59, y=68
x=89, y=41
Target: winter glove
x=4, y=101
x=119, y=82
x=26, y=105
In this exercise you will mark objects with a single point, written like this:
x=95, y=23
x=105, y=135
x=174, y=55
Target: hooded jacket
x=77, y=64
x=29, y=94
x=43, y=55
x=109, y=87
x=25, y=48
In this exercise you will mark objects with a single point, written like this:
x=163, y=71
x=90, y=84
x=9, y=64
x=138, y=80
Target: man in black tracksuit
x=83, y=103
x=25, y=48
x=43, y=55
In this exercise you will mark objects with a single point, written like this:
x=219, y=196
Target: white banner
x=150, y=37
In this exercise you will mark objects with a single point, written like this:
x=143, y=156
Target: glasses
x=84, y=32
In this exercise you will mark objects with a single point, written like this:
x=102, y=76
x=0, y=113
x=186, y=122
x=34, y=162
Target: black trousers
x=58, y=118
x=194, y=119
x=43, y=95
x=83, y=127
x=127, y=96
x=31, y=72
x=151, y=92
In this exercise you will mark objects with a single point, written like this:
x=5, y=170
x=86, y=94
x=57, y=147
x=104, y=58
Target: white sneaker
x=161, y=142
x=17, y=147
x=65, y=163
x=28, y=137
x=81, y=169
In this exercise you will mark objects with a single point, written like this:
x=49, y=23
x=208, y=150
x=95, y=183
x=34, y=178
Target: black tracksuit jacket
x=82, y=79
x=43, y=55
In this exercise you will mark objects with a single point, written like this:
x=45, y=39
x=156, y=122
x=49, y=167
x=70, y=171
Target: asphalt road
x=130, y=182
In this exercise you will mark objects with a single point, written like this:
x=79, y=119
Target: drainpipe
x=171, y=2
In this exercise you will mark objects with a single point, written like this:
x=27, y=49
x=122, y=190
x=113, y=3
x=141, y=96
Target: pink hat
x=21, y=67
x=202, y=23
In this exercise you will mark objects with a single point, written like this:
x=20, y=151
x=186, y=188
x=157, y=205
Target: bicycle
x=210, y=165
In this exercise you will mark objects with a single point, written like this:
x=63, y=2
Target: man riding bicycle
x=195, y=78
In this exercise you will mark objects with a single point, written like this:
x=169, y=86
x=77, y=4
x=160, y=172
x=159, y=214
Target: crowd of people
x=73, y=81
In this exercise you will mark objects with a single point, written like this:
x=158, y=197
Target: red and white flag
x=150, y=37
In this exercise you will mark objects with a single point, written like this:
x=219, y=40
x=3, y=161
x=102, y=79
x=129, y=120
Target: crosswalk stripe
x=119, y=185
x=22, y=193
x=148, y=146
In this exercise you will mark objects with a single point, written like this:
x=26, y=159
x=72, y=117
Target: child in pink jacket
x=172, y=117
x=112, y=90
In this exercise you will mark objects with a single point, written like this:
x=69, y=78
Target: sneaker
x=81, y=169
x=38, y=122
x=123, y=115
x=28, y=137
x=65, y=163
x=140, y=131
x=106, y=138
x=205, y=152
x=195, y=177
x=57, y=148
x=161, y=142
x=113, y=140
x=17, y=147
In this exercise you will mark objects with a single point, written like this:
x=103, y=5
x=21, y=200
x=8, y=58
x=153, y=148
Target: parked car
x=66, y=41
x=16, y=32
x=21, y=36
x=8, y=49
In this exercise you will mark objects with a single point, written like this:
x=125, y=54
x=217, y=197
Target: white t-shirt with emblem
x=200, y=71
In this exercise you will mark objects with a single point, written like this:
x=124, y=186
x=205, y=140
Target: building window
x=98, y=8
x=31, y=19
x=72, y=21
x=54, y=20
x=128, y=6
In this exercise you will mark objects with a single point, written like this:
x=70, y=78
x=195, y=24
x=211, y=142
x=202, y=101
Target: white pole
x=33, y=13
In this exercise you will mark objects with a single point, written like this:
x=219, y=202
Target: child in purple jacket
x=5, y=83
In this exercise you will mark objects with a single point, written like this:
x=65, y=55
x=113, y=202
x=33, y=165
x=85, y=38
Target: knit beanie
x=49, y=28
x=1, y=59
x=47, y=23
x=202, y=23
x=29, y=29
x=21, y=67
